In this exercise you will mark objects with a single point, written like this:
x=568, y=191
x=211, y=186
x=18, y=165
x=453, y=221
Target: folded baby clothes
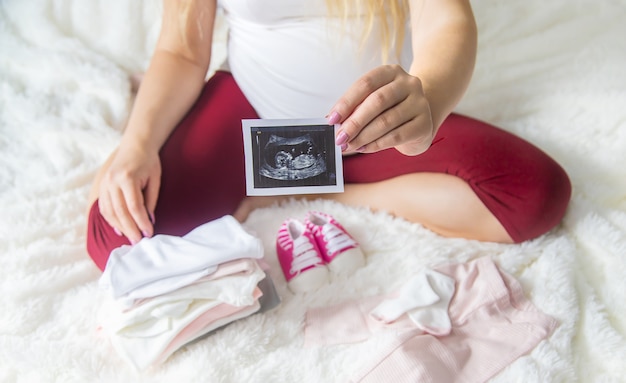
x=143, y=349
x=166, y=291
x=241, y=267
x=206, y=323
x=157, y=312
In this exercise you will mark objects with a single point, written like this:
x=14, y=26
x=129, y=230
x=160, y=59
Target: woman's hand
x=385, y=108
x=127, y=186
x=129, y=190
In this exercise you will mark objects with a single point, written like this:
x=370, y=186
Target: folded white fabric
x=167, y=290
x=164, y=263
x=154, y=316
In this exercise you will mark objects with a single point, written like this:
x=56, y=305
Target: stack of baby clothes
x=167, y=291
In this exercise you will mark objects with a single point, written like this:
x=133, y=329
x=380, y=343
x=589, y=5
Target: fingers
x=125, y=210
x=136, y=220
x=380, y=114
x=129, y=190
x=408, y=127
x=385, y=108
x=151, y=195
x=359, y=91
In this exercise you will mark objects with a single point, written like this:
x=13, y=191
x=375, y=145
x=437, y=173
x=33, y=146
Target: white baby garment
x=163, y=263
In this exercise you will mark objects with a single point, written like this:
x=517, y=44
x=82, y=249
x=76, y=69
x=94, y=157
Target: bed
x=551, y=72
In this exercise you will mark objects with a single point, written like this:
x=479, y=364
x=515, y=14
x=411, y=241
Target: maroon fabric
x=522, y=186
x=203, y=171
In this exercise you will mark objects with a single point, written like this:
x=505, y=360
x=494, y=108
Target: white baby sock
x=425, y=299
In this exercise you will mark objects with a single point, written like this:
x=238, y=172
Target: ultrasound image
x=292, y=158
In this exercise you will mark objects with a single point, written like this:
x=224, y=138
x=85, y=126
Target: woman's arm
x=176, y=72
x=444, y=40
x=130, y=180
x=388, y=107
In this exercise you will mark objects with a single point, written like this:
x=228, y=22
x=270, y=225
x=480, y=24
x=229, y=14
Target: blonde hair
x=392, y=15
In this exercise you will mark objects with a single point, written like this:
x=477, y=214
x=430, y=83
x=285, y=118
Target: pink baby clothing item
x=308, y=250
x=339, y=250
x=208, y=322
x=492, y=324
x=300, y=257
x=422, y=302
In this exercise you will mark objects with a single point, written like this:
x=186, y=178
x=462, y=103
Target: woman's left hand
x=385, y=108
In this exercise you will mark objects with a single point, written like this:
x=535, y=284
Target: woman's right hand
x=129, y=191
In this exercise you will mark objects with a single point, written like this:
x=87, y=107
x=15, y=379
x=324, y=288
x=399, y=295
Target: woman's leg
x=476, y=182
x=440, y=202
x=202, y=169
x=522, y=187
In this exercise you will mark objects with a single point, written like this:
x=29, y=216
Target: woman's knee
x=554, y=188
x=536, y=205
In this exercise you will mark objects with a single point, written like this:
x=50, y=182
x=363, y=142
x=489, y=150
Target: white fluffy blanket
x=553, y=72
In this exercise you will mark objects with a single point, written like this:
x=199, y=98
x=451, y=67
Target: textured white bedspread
x=553, y=72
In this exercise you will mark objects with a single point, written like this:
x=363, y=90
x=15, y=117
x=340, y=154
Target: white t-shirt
x=291, y=60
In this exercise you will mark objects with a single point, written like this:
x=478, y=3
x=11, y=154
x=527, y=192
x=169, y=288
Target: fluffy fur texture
x=552, y=72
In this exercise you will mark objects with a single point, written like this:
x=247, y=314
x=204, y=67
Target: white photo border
x=252, y=186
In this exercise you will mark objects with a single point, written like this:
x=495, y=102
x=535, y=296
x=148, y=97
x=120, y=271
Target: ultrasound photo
x=291, y=157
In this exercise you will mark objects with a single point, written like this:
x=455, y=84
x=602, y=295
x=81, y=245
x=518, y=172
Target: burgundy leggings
x=203, y=171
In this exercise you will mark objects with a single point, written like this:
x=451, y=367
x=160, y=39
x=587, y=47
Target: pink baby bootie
x=300, y=257
x=339, y=250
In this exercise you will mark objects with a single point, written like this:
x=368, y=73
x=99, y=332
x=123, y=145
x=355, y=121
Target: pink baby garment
x=211, y=320
x=422, y=303
x=492, y=324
